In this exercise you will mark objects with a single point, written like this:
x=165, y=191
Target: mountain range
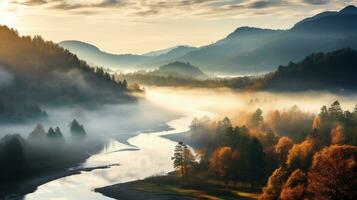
x=247, y=49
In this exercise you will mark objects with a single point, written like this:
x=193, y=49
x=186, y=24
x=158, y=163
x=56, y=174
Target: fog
x=109, y=121
x=6, y=78
x=164, y=104
x=227, y=102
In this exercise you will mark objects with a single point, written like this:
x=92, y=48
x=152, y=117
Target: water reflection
x=149, y=155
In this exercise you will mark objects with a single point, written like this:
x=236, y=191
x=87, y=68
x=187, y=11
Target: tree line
x=318, y=162
x=42, y=151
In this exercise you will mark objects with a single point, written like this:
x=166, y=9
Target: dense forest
x=35, y=72
x=298, y=155
x=334, y=70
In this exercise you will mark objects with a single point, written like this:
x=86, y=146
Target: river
x=148, y=154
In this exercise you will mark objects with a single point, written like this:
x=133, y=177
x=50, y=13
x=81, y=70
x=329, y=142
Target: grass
x=200, y=189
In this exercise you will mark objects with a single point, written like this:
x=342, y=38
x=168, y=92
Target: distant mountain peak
x=351, y=9
x=78, y=44
x=247, y=30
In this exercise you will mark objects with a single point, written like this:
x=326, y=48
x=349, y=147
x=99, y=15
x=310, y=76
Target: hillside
x=319, y=71
x=179, y=69
x=35, y=72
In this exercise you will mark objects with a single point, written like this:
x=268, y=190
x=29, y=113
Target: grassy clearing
x=205, y=190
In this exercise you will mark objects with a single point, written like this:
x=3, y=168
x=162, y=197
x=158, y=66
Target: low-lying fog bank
x=109, y=121
x=227, y=102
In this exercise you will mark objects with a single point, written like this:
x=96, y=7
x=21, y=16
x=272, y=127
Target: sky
x=140, y=26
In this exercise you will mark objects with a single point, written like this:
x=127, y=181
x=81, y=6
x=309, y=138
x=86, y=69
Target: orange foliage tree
x=224, y=163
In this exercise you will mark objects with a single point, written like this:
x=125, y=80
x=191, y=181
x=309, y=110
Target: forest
x=291, y=154
x=35, y=72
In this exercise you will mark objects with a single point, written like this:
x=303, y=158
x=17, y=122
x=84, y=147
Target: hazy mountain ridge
x=37, y=72
x=97, y=57
x=249, y=49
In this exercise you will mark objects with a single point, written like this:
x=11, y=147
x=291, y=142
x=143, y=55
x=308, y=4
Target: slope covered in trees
x=179, y=70
x=319, y=71
x=36, y=72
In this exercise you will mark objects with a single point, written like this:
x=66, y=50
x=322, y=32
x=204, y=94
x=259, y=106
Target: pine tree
x=37, y=134
x=183, y=160
x=335, y=109
x=77, y=130
x=257, y=118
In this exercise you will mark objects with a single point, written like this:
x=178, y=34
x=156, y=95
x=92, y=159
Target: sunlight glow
x=7, y=17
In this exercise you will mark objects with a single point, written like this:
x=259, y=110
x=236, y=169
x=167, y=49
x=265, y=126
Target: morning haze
x=160, y=100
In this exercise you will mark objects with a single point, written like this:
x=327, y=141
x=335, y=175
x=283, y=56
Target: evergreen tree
x=51, y=132
x=77, y=130
x=335, y=109
x=324, y=112
x=37, y=134
x=125, y=84
x=257, y=118
x=183, y=160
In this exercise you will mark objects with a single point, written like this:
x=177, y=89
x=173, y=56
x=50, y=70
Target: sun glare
x=6, y=16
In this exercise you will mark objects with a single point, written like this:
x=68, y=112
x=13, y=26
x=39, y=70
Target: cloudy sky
x=138, y=26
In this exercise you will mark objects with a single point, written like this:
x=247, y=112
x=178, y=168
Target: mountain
x=260, y=50
x=327, y=71
x=35, y=72
x=216, y=57
x=181, y=70
x=94, y=56
x=171, y=55
x=245, y=50
x=159, y=52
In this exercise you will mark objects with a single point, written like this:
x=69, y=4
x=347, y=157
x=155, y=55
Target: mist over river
x=144, y=153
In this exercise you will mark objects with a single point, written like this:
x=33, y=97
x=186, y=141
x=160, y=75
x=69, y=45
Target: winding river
x=148, y=154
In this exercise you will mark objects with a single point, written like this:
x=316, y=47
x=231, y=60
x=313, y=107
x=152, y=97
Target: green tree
x=183, y=160
x=125, y=84
x=55, y=134
x=37, y=134
x=77, y=130
x=335, y=109
x=257, y=118
x=324, y=112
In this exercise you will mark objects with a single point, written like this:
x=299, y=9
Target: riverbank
x=17, y=189
x=169, y=187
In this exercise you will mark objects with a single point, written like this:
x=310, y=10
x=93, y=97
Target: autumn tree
x=295, y=186
x=282, y=148
x=300, y=155
x=333, y=173
x=224, y=163
x=275, y=184
x=337, y=135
